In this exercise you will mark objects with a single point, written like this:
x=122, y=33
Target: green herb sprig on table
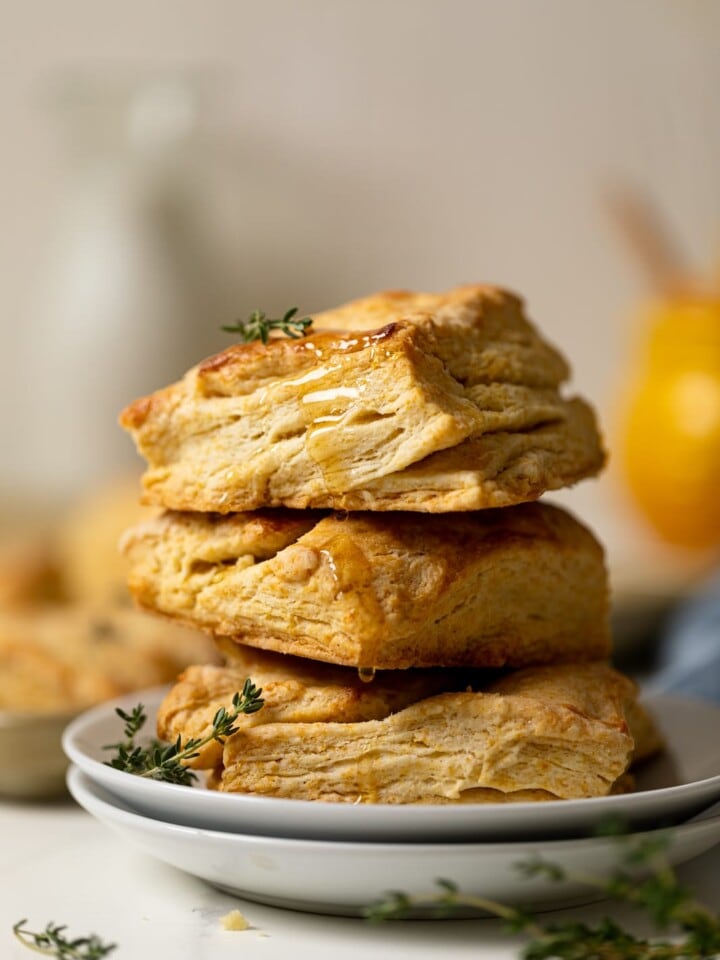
x=167, y=762
x=258, y=326
x=52, y=942
x=686, y=930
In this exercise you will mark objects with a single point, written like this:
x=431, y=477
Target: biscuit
x=486, y=589
x=545, y=732
x=86, y=543
x=29, y=573
x=400, y=401
x=294, y=691
x=70, y=657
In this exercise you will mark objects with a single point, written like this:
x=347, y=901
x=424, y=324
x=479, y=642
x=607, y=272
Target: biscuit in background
x=69, y=635
x=30, y=575
x=86, y=543
x=70, y=657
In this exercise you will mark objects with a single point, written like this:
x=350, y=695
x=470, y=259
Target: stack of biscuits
x=352, y=516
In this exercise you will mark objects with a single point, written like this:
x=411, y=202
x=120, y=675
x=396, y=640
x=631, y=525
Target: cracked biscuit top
x=400, y=401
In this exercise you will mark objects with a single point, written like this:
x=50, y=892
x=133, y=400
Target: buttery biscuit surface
x=547, y=732
x=400, y=401
x=294, y=691
x=491, y=588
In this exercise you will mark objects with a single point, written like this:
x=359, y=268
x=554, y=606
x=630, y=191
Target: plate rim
x=344, y=811
x=143, y=821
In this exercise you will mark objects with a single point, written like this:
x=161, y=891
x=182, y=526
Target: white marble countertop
x=57, y=864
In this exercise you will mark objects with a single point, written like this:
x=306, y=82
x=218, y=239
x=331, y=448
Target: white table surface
x=57, y=864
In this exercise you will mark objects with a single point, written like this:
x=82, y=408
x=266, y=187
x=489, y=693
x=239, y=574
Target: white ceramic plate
x=328, y=876
x=671, y=789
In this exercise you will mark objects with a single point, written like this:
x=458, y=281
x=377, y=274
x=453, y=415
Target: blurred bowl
x=32, y=762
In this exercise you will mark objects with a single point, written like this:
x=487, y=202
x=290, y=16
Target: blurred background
x=170, y=166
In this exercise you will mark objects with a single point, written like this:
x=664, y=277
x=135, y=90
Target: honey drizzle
x=354, y=579
x=325, y=400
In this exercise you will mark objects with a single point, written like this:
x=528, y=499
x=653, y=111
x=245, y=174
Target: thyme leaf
x=258, y=326
x=168, y=761
x=684, y=928
x=52, y=942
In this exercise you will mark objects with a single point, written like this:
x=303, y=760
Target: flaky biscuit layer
x=542, y=733
x=491, y=588
x=400, y=401
x=294, y=691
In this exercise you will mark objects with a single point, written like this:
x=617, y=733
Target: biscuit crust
x=492, y=588
x=400, y=401
x=294, y=691
x=545, y=732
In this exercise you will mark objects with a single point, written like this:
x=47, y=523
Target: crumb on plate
x=234, y=921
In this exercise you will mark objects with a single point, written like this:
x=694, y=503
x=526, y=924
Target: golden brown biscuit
x=86, y=543
x=569, y=687
x=34, y=680
x=294, y=691
x=29, y=573
x=561, y=730
x=506, y=587
x=452, y=404
x=70, y=657
x=625, y=784
x=304, y=691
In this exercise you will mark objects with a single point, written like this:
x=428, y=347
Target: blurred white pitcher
x=119, y=301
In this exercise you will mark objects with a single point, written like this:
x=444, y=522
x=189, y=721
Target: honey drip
x=354, y=580
x=327, y=404
x=326, y=412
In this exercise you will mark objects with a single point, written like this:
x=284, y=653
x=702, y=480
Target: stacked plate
x=341, y=858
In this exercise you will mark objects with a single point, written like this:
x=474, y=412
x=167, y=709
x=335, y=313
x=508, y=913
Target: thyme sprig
x=686, y=929
x=258, y=326
x=167, y=761
x=52, y=942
